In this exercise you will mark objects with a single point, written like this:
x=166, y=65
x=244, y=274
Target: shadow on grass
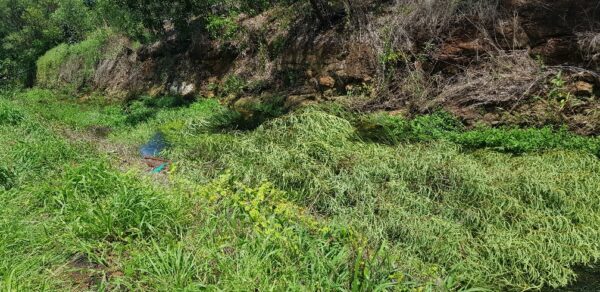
x=588, y=279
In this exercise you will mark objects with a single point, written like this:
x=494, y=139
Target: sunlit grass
x=304, y=202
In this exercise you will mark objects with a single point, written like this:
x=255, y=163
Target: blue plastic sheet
x=156, y=145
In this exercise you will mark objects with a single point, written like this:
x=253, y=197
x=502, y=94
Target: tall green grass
x=307, y=201
x=73, y=220
x=480, y=217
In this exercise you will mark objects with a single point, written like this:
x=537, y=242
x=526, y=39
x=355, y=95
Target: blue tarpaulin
x=156, y=145
x=151, y=151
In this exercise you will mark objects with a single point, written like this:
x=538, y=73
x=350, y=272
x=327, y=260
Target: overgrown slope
x=310, y=145
x=487, y=62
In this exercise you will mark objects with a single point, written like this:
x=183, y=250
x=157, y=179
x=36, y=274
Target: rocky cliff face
x=557, y=30
x=513, y=62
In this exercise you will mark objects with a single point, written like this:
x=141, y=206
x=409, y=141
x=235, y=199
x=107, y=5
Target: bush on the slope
x=70, y=67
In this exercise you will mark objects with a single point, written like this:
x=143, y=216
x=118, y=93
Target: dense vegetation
x=302, y=202
x=316, y=198
x=28, y=28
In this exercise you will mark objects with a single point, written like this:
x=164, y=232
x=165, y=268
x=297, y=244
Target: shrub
x=233, y=86
x=70, y=68
x=222, y=28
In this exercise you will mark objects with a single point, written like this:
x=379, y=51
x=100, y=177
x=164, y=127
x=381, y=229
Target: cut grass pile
x=306, y=201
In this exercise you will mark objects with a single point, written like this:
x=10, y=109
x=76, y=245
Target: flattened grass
x=304, y=202
x=73, y=222
x=484, y=218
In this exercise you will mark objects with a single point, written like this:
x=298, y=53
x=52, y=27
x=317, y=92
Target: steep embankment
x=392, y=186
x=490, y=62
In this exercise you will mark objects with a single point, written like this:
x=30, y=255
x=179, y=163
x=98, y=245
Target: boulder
x=327, y=81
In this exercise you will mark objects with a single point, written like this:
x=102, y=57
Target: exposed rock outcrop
x=551, y=27
x=472, y=64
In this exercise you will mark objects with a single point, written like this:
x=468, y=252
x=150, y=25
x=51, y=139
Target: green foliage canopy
x=28, y=28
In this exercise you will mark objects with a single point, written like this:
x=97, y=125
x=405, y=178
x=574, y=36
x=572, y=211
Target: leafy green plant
x=392, y=130
x=222, y=28
x=10, y=115
x=558, y=90
x=232, y=86
x=390, y=57
x=526, y=140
